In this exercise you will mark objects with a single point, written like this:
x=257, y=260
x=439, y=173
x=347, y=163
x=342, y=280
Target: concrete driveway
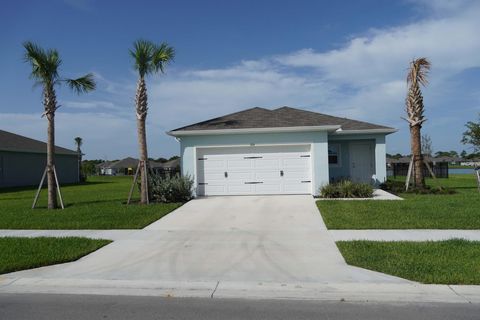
x=279, y=239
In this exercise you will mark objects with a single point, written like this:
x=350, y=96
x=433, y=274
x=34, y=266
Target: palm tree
x=79, y=142
x=45, y=66
x=149, y=58
x=417, y=75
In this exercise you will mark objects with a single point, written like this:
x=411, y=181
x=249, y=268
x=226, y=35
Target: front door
x=362, y=166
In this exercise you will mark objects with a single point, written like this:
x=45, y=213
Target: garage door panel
x=298, y=175
x=213, y=176
x=270, y=174
x=254, y=170
x=234, y=164
x=297, y=162
x=266, y=163
x=213, y=164
x=240, y=175
x=298, y=188
x=268, y=188
x=215, y=189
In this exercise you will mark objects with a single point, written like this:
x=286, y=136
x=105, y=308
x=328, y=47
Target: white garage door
x=254, y=170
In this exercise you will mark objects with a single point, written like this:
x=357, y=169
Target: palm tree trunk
x=50, y=106
x=419, y=180
x=141, y=105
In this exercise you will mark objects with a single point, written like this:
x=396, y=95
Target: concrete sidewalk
x=404, y=235
x=92, y=234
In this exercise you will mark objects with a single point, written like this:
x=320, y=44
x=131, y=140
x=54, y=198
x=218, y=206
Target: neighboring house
x=23, y=161
x=128, y=166
x=168, y=168
x=281, y=151
x=122, y=167
x=475, y=162
x=104, y=168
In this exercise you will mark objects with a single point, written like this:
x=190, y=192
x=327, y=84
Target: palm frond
x=418, y=71
x=142, y=54
x=163, y=55
x=83, y=84
x=44, y=63
x=78, y=141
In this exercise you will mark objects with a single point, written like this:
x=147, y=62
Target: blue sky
x=345, y=58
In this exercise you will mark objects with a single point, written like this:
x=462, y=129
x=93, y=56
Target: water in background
x=461, y=171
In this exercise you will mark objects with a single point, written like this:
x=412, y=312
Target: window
x=334, y=154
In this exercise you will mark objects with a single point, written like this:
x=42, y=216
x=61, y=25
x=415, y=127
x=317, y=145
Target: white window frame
x=339, y=155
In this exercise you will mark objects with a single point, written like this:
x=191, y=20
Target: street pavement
x=76, y=307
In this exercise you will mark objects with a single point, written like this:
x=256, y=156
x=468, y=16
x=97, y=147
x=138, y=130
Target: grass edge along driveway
x=26, y=253
x=455, y=261
x=451, y=211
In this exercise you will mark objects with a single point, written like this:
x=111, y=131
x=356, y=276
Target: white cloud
x=450, y=43
x=363, y=79
x=91, y=104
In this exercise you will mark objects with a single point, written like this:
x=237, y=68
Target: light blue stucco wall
x=318, y=141
x=379, y=141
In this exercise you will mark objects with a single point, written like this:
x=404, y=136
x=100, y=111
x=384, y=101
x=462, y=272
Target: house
x=122, y=167
x=280, y=151
x=128, y=166
x=168, y=168
x=23, y=161
x=104, y=168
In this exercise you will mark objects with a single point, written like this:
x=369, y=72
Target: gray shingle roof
x=17, y=143
x=281, y=117
x=124, y=163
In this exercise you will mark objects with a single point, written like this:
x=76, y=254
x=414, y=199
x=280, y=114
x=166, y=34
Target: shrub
x=347, y=189
x=171, y=189
x=399, y=187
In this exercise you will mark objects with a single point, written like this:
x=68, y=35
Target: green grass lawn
x=454, y=211
x=97, y=204
x=440, y=262
x=26, y=253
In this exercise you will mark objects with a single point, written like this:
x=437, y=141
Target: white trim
x=195, y=173
x=312, y=170
x=252, y=130
x=364, y=131
x=255, y=145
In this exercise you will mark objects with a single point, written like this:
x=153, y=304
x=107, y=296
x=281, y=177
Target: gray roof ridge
x=58, y=149
x=330, y=116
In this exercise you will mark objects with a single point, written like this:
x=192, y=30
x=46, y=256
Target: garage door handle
x=253, y=182
x=226, y=174
x=281, y=173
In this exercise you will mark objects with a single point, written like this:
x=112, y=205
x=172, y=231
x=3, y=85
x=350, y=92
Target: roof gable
x=16, y=143
x=284, y=117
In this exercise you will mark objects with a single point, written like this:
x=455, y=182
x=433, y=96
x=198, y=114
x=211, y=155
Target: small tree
x=45, y=71
x=472, y=135
x=427, y=148
x=149, y=58
x=78, y=143
x=417, y=75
